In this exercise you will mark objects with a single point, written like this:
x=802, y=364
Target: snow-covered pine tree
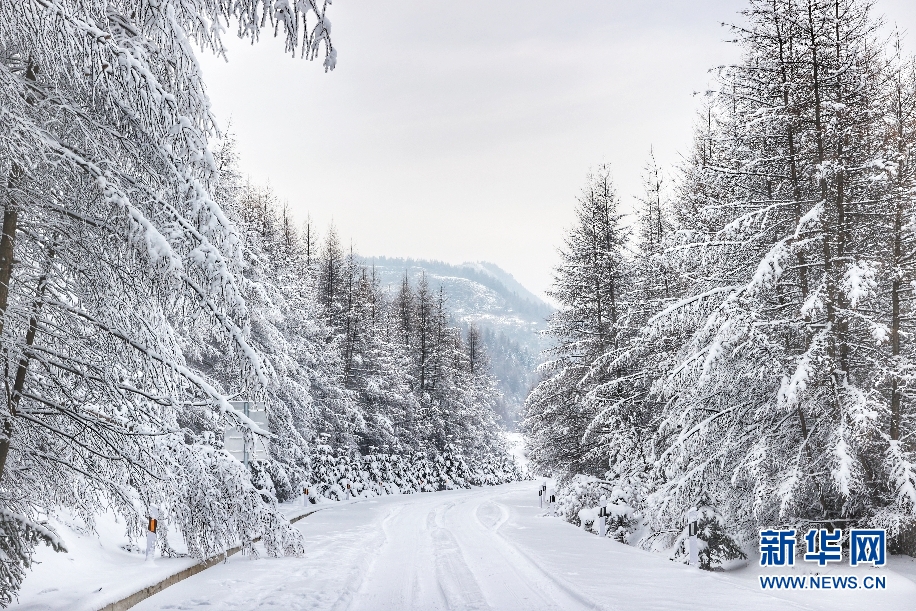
x=332, y=280
x=771, y=412
x=480, y=433
x=425, y=340
x=476, y=350
x=895, y=454
x=307, y=397
x=340, y=419
x=379, y=374
x=627, y=414
x=588, y=285
x=763, y=337
x=656, y=282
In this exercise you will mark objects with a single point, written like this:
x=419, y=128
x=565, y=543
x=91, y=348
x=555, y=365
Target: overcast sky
x=462, y=131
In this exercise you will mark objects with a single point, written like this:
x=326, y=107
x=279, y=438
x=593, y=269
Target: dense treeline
x=361, y=370
x=513, y=365
x=747, y=350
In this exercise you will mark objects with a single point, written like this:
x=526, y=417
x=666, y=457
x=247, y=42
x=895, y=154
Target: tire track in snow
x=403, y=574
x=363, y=566
x=520, y=559
x=458, y=586
x=509, y=579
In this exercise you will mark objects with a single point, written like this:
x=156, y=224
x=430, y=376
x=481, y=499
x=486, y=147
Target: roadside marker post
x=151, y=528
x=305, y=497
x=540, y=499
x=692, y=530
x=602, y=521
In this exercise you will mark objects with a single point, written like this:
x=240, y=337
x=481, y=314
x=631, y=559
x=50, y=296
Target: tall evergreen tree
x=758, y=367
x=588, y=285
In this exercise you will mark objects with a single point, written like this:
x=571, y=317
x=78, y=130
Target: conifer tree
x=773, y=388
x=589, y=284
x=759, y=368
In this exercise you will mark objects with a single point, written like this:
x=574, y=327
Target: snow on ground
x=486, y=548
x=94, y=571
x=102, y=567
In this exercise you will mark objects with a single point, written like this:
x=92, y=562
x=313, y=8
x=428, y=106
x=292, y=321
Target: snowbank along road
x=486, y=548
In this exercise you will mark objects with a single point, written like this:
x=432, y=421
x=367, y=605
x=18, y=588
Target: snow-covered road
x=487, y=548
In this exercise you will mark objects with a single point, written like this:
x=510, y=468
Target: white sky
x=462, y=131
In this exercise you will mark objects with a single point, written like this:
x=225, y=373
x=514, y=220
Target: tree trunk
x=895, y=325
x=7, y=242
x=21, y=371
x=897, y=285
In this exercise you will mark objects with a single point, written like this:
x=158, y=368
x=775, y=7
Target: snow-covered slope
x=98, y=568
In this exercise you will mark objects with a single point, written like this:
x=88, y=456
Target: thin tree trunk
x=843, y=239
x=22, y=369
x=895, y=325
x=830, y=304
x=7, y=242
x=897, y=285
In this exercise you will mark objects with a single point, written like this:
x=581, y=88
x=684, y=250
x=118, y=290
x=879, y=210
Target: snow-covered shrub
x=624, y=520
x=578, y=493
x=581, y=496
x=718, y=550
x=380, y=474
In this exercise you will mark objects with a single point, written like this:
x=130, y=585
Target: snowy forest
x=744, y=345
x=144, y=285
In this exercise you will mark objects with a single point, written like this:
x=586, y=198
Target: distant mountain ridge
x=510, y=283
x=518, y=299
